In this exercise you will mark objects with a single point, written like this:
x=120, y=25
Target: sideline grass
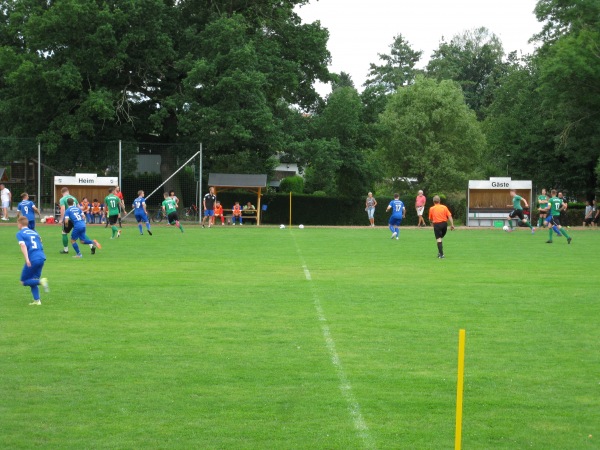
x=210, y=339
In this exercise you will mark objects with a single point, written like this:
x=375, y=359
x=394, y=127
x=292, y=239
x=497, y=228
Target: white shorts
x=420, y=210
x=5, y=204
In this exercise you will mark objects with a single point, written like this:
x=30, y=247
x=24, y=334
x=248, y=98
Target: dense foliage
x=238, y=76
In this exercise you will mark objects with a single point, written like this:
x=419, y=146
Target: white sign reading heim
x=85, y=179
x=500, y=183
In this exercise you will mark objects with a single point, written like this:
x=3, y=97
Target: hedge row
x=318, y=210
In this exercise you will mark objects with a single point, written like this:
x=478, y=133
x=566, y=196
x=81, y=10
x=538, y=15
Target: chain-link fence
x=29, y=166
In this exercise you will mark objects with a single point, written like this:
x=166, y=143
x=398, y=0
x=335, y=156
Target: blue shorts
x=35, y=271
x=395, y=220
x=31, y=224
x=209, y=212
x=78, y=233
x=141, y=218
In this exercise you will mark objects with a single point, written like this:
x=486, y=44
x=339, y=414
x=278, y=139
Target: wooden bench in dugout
x=228, y=214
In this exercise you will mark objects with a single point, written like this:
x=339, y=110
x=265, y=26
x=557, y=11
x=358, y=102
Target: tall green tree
x=159, y=70
x=474, y=60
x=398, y=68
x=336, y=158
x=429, y=133
x=520, y=143
x=569, y=62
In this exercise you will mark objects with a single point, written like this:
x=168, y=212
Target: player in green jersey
x=542, y=200
x=554, y=207
x=518, y=210
x=170, y=209
x=66, y=227
x=112, y=203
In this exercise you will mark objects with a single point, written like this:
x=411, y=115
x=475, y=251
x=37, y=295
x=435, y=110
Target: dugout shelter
x=248, y=182
x=84, y=185
x=487, y=200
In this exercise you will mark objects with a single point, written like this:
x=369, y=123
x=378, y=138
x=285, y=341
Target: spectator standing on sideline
x=5, y=198
x=420, y=207
x=209, y=207
x=589, y=214
x=27, y=208
x=33, y=253
x=398, y=213
x=596, y=213
x=370, y=205
x=66, y=227
x=174, y=197
x=439, y=215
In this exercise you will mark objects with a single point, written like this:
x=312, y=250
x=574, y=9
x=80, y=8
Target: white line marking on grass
x=345, y=387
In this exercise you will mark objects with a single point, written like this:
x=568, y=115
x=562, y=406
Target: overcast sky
x=360, y=29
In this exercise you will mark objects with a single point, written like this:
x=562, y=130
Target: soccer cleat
x=149, y=232
x=62, y=252
x=44, y=283
x=97, y=244
x=569, y=240
x=397, y=238
x=548, y=242
x=533, y=230
x=440, y=256
x=36, y=303
x=78, y=256
x=93, y=249
x=394, y=234
x=119, y=233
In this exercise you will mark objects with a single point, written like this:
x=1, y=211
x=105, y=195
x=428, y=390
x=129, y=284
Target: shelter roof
x=237, y=180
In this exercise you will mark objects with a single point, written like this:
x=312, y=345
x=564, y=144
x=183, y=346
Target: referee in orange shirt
x=439, y=215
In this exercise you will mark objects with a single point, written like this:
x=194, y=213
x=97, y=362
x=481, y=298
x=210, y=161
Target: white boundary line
x=346, y=389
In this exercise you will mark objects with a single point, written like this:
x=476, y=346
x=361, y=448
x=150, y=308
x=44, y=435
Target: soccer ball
x=301, y=226
x=43, y=220
x=282, y=226
x=506, y=228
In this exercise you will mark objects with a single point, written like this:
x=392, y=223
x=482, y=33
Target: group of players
x=73, y=221
x=549, y=211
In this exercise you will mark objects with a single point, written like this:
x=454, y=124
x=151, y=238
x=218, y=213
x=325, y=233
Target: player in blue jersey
x=74, y=215
x=27, y=209
x=33, y=252
x=398, y=213
x=141, y=213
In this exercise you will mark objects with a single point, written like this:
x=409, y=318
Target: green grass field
x=261, y=338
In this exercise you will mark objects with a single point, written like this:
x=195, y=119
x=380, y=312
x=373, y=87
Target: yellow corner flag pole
x=459, y=389
x=290, y=208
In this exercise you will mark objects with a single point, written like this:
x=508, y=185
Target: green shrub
x=293, y=184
